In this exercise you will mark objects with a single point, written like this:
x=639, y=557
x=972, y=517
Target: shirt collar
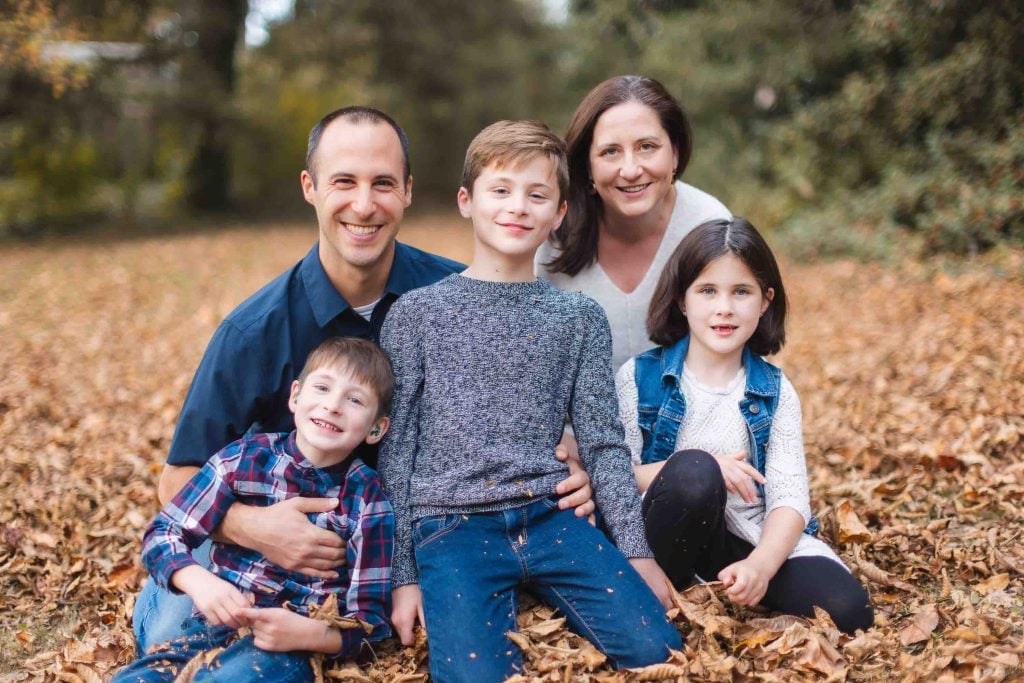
x=759, y=379
x=403, y=275
x=324, y=299
x=328, y=304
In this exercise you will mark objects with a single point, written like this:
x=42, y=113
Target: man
x=358, y=179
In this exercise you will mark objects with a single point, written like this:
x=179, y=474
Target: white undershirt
x=366, y=311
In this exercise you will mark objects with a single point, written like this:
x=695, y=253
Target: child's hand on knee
x=746, y=581
x=655, y=578
x=219, y=601
x=406, y=610
x=740, y=475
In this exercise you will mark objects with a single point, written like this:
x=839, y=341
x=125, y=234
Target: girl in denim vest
x=716, y=438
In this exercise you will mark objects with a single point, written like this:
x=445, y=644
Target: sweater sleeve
x=629, y=399
x=400, y=338
x=599, y=433
x=785, y=465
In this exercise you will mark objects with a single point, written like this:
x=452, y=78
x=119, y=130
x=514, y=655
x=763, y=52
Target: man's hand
x=652, y=574
x=275, y=629
x=574, y=489
x=739, y=475
x=746, y=581
x=283, y=533
x=219, y=601
x=406, y=609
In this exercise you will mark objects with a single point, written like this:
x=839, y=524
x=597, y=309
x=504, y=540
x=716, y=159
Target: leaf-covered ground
x=912, y=382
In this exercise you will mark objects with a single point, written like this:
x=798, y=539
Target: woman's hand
x=739, y=475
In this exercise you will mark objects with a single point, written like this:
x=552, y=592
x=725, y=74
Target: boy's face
x=514, y=209
x=334, y=413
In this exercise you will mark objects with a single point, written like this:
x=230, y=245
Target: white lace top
x=713, y=423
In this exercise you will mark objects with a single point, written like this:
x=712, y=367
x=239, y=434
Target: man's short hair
x=365, y=360
x=512, y=143
x=357, y=114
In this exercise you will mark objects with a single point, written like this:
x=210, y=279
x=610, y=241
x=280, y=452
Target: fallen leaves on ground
x=912, y=385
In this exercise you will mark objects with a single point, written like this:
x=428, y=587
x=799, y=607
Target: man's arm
x=282, y=532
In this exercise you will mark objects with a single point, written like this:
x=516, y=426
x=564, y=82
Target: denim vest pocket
x=426, y=530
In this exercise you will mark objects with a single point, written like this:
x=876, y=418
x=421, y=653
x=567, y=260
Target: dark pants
x=684, y=513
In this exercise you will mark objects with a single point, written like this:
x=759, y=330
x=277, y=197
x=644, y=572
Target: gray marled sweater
x=486, y=373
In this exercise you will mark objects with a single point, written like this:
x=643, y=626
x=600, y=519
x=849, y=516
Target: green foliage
x=873, y=128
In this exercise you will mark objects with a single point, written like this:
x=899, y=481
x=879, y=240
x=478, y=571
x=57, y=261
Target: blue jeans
x=239, y=662
x=472, y=568
x=159, y=614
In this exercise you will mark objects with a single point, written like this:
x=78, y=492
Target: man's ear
x=308, y=186
x=380, y=428
x=293, y=399
x=408, y=191
x=465, y=202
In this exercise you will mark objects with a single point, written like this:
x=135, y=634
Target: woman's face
x=632, y=162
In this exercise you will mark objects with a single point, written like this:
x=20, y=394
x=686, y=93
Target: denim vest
x=661, y=406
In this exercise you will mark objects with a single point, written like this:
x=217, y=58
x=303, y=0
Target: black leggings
x=684, y=513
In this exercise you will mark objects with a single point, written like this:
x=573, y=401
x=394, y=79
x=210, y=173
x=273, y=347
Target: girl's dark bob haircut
x=577, y=236
x=666, y=323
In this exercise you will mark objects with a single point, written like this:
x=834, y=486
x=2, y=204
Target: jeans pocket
x=426, y=530
x=550, y=502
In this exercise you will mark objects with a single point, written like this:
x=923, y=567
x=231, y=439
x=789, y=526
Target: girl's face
x=722, y=307
x=632, y=161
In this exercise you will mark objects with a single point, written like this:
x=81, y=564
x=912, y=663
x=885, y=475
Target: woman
x=628, y=143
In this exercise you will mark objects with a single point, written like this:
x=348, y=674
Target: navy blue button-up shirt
x=243, y=381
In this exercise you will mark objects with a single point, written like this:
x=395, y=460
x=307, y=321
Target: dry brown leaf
x=996, y=582
x=546, y=627
x=659, y=672
x=851, y=529
x=920, y=628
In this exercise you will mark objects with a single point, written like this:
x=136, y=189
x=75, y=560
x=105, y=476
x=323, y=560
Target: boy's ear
x=465, y=202
x=380, y=428
x=769, y=294
x=561, y=215
x=293, y=399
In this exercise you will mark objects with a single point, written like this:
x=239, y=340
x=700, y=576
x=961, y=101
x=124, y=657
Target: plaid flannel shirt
x=264, y=469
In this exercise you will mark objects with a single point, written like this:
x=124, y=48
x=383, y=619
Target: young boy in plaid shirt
x=340, y=400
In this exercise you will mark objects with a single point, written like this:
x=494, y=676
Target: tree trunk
x=208, y=83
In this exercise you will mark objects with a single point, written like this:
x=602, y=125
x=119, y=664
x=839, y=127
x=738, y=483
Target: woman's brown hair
x=577, y=238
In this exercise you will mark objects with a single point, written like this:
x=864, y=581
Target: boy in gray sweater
x=488, y=364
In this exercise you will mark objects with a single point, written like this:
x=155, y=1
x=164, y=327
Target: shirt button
x=754, y=409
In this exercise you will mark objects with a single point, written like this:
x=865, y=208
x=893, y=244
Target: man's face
x=359, y=195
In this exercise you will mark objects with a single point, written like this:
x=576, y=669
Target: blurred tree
x=212, y=31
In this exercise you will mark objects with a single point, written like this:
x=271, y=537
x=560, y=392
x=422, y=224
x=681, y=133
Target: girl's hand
x=275, y=629
x=746, y=581
x=739, y=475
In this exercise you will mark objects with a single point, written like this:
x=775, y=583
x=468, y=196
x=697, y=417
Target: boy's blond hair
x=365, y=360
x=512, y=143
